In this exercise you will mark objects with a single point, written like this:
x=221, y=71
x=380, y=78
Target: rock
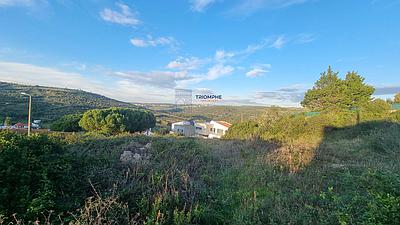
x=148, y=145
x=130, y=157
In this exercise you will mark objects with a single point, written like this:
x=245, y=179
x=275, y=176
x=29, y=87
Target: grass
x=349, y=176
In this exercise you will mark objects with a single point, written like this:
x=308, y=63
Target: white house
x=218, y=129
x=212, y=129
x=185, y=128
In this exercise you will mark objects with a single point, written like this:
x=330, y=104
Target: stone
x=148, y=145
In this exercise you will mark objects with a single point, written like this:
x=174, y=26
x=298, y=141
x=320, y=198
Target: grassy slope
x=350, y=177
x=49, y=103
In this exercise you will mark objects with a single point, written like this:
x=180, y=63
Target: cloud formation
x=279, y=42
x=127, y=88
x=182, y=63
x=292, y=95
x=149, y=41
x=247, y=7
x=158, y=79
x=201, y=5
x=124, y=16
x=24, y=3
x=258, y=70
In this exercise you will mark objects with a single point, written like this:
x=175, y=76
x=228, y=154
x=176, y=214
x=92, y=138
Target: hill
x=49, y=103
x=231, y=114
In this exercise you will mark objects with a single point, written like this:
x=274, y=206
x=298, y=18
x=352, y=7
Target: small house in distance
x=184, y=128
x=212, y=129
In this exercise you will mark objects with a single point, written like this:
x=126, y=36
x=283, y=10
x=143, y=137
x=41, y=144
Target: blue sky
x=260, y=52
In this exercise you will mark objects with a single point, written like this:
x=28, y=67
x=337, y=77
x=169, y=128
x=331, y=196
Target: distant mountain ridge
x=49, y=103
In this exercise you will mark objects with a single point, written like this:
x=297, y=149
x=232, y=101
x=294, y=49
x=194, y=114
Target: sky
x=253, y=52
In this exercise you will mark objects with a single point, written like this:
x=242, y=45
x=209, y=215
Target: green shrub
x=68, y=123
x=377, y=109
x=35, y=176
x=395, y=116
x=243, y=130
x=117, y=120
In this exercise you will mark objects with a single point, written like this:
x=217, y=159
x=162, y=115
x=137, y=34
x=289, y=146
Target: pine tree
x=332, y=93
x=357, y=92
x=327, y=92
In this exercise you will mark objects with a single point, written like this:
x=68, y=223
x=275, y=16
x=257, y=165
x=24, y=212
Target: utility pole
x=29, y=112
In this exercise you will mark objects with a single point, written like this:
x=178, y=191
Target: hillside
x=231, y=114
x=49, y=103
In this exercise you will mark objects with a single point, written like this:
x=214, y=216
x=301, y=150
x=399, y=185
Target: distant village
x=19, y=126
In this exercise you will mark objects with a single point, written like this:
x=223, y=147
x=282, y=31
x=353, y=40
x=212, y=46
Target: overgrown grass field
x=349, y=175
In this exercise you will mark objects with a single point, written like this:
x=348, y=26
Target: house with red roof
x=212, y=129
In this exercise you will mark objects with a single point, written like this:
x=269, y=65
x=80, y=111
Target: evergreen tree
x=327, y=92
x=332, y=93
x=357, y=92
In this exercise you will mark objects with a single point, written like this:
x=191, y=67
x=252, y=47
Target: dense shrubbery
x=67, y=123
x=117, y=120
x=36, y=176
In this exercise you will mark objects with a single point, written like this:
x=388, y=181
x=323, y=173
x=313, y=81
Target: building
x=218, y=129
x=184, y=128
x=212, y=129
x=20, y=126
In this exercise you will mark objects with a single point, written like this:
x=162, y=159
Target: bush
x=68, y=123
x=377, y=109
x=243, y=130
x=117, y=120
x=395, y=116
x=35, y=176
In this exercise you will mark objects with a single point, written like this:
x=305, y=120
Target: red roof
x=225, y=124
x=20, y=125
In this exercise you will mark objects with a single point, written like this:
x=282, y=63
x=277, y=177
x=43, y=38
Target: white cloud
x=27, y=3
x=201, y=5
x=182, y=63
x=258, y=70
x=144, y=88
x=149, y=41
x=247, y=7
x=279, y=42
x=160, y=79
x=305, y=38
x=124, y=16
x=218, y=71
x=221, y=55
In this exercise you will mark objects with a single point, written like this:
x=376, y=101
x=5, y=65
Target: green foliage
x=117, y=120
x=377, y=109
x=49, y=104
x=7, y=121
x=244, y=130
x=332, y=93
x=35, y=176
x=395, y=116
x=67, y=123
x=397, y=98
